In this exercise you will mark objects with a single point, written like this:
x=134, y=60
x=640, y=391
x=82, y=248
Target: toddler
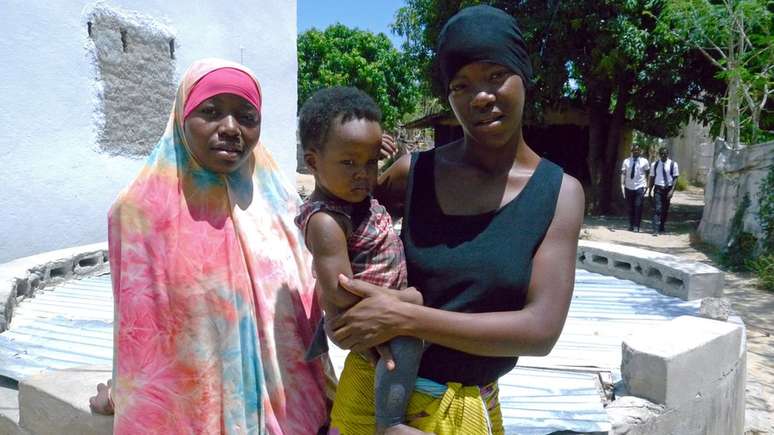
x=350, y=233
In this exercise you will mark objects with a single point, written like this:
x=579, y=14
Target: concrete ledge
x=672, y=363
x=685, y=377
x=9, y=409
x=22, y=277
x=57, y=403
x=668, y=274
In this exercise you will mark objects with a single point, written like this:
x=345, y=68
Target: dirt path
x=755, y=306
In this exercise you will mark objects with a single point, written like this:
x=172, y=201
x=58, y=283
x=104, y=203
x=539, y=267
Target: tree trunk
x=733, y=113
x=599, y=100
x=605, y=135
x=610, y=176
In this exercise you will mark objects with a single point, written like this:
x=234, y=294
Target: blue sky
x=375, y=16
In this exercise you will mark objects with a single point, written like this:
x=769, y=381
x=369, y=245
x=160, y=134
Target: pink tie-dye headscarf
x=214, y=296
x=223, y=81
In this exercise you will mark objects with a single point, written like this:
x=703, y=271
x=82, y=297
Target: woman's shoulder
x=391, y=187
x=402, y=167
x=570, y=186
x=571, y=202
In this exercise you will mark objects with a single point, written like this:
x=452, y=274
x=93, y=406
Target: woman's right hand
x=411, y=295
x=102, y=403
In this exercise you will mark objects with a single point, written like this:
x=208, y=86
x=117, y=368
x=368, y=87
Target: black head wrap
x=482, y=34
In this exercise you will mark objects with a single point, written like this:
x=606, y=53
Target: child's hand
x=388, y=148
x=381, y=351
x=386, y=355
x=411, y=295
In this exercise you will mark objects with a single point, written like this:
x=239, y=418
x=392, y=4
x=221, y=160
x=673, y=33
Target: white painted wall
x=734, y=174
x=693, y=150
x=55, y=187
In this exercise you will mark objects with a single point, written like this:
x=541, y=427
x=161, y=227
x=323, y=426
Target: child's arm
x=327, y=240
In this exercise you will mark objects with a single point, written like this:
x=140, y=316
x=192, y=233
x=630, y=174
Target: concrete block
x=715, y=308
x=675, y=362
x=718, y=410
x=88, y=263
x=9, y=409
x=628, y=412
x=57, y=272
x=57, y=402
x=7, y=303
x=22, y=277
x=21, y=287
x=38, y=263
x=670, y=275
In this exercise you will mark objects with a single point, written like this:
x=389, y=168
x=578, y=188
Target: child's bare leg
x=393, y=387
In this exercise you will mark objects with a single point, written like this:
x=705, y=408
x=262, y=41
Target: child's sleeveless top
x=375, y=250
x=474, y=264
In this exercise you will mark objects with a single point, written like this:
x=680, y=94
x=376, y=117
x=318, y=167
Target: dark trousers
x=661, y=202
x=634, y=200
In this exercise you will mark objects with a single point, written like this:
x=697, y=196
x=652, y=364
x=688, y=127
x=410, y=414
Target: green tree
x=351, y=57
x=737, y=37
x=601, y=55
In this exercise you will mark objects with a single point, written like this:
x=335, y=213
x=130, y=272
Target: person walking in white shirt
x=663, y=181
x=634, y=181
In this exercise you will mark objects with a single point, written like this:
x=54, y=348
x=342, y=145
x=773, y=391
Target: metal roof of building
x=71, y=325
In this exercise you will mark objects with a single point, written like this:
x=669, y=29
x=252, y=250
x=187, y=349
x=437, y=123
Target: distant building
x=87, y=88
x=561, y=138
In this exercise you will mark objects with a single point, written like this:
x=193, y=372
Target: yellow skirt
x=460, y=410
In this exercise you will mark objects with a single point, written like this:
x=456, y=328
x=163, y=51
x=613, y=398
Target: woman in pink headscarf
x=213, y=293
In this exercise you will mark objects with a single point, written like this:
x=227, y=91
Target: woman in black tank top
x=490, y=231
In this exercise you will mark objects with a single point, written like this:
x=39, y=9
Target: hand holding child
x=375, y=319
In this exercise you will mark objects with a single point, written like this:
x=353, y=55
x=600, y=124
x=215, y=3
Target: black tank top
x=473, y=264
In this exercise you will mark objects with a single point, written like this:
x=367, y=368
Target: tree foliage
x=600, y=55
x=737, y=37
x=341, y=56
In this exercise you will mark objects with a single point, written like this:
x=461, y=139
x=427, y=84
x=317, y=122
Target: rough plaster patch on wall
x=134, y=59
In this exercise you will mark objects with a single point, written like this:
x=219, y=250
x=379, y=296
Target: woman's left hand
x=372, y=321
x=388, y=147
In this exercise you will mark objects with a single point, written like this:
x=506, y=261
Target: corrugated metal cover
x=71, y=325
x=62, y=327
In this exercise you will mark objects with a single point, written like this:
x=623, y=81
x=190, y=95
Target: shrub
x=766, y=211
x=682, y=184
x=740, y=249
x=763, y=267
